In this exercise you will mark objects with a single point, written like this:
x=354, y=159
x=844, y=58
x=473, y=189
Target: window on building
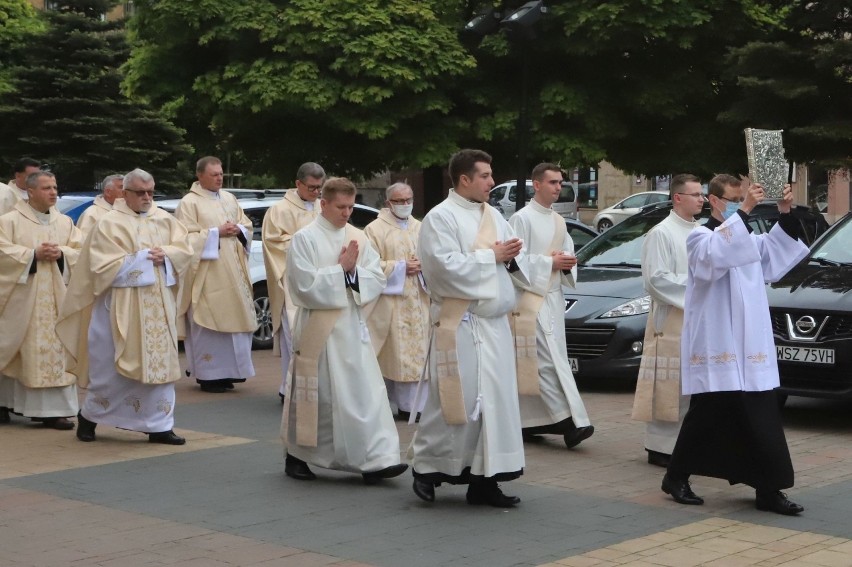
x=818, y=189
x=586, y=181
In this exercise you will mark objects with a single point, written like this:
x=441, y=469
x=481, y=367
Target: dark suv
x=811, y=310
x=605, y=314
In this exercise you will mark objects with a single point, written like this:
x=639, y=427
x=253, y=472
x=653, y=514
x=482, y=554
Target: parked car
x=74, y=205
x=255, y=209
x=627, y=207
x=605, y=314
x=503, y=197
x=580, y=233
x=811, y=312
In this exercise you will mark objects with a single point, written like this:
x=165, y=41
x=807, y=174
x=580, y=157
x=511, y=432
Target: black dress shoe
x=681, y=491
x=60, y=423
x=211, y=386
x=298, y=469
x=283, y=398
x=85, y=428
x=488, y=492
x=578, y=435
x=658, y=459
x=402, y=415
x=4, y=415
x=776, y=502
x=424, y=490
x=166, y=438
x=374, y=477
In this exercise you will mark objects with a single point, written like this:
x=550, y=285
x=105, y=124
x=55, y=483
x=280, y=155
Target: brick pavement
x=223, y=500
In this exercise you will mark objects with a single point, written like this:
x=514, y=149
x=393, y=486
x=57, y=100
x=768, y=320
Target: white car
x=503, y=196
x=255, y=209
x=627, y=207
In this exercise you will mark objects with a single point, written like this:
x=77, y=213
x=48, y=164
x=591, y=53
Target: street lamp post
x=519, y=27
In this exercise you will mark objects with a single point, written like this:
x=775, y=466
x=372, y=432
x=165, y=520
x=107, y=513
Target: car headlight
x=633, y=307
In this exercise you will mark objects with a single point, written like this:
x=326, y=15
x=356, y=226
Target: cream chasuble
x=558, y=397
x=354, y=427
x=489, y=443
x=727, y=342
x=9, y=197
x=142, y=314
x=399, y=323
x=30, y=351
x=93, y=214
x=217, y=290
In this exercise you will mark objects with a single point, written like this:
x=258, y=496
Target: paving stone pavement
x=223, y=500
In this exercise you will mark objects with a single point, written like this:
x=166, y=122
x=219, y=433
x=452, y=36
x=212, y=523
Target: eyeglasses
x=401, y=201
x=150, y=192
x=740, y=200
x=699, y=195
x=311, y=187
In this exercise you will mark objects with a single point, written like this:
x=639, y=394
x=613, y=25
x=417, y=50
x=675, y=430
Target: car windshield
x=835, y=248
x=622, y=244
x=63, y=205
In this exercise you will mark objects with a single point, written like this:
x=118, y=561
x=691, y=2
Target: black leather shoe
x=283, y=398
x=658, y=459
x=85, y=428
x=488, y=492
x=211, y=386
x=60, y=423
x=298, y=469
x=4, y=415
x=166, y=438
x=578, y=435
x=681, y=491
x=776, y=502
x=424, y=490
x=374, y=477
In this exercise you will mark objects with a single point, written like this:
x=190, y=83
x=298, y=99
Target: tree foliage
x=360, y=85
x=18, y=22
x=67, y=109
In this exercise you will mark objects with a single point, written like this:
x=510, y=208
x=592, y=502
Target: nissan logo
x=805, y=325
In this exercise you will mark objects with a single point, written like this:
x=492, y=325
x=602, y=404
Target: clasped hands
x=563, y=262
x=157, y=255
x=229, y=230
x=506, y=250
x=48, y=252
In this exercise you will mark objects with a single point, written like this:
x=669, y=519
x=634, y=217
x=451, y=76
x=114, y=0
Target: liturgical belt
x=312, y=342
x=524, y=323
x=658, y=387
x=449, y=318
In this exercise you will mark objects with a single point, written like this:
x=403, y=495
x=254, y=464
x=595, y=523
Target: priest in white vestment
x=119, y=319
x=470, y=427
x=733, y=428
x=658, y=400
x=399, y=320
x=336, y=415
x=216, y=294
x=550, y=402
x=112, y=190
x=38, y=249
x=296, y=210
x=17, y=186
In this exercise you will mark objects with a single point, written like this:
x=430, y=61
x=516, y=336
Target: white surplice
x=727, y=342
x=664, y=272
x=559, y=398
x=356, y=431
x=490, y=442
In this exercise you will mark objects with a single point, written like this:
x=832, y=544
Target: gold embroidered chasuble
x=218, y=291
x=93, y=214
x=399, y=324
x=280, y=223
x=143, y=319
x=30, y=350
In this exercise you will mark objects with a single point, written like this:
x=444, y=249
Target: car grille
x=837, y=326
x=585, y=343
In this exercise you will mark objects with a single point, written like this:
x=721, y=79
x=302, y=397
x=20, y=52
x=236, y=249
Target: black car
x=605, y=314
x=811, y=311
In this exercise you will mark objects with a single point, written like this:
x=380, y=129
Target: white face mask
x=402, y=211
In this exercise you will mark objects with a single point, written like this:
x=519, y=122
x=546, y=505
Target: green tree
x=18, y=22
x=355, y=84
x=67, y=109
x=800, y=80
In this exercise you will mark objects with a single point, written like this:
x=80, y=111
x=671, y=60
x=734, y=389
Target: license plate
x=575, y=366
x=805, y=354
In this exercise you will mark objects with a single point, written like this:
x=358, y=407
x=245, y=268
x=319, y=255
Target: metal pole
x=523, y=128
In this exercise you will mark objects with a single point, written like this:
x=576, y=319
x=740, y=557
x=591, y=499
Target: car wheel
x=262, y=338
x=604, y=225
